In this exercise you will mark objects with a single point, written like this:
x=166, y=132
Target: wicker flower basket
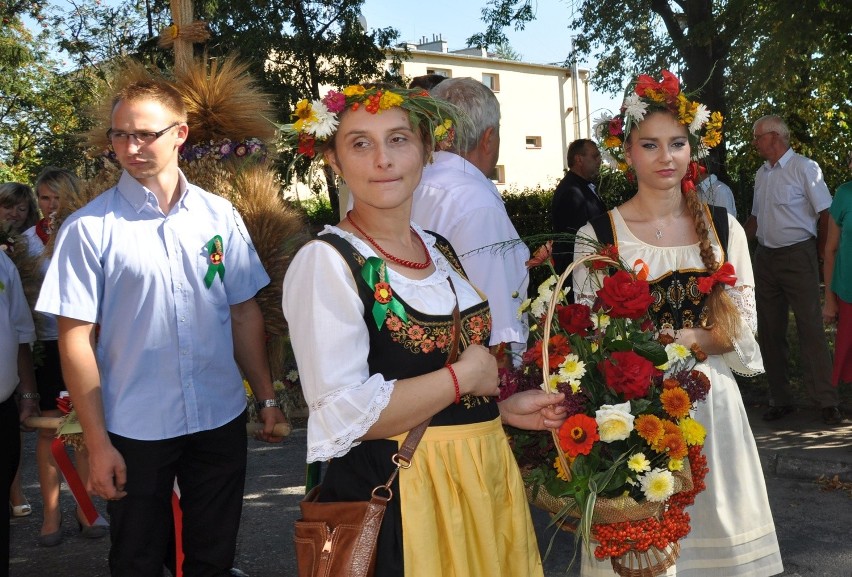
x=649, y=563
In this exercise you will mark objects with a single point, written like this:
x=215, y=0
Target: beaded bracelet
x=455, y=384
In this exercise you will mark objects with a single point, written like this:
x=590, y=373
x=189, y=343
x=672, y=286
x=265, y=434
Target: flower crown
x=704, y=128
x=317, y=121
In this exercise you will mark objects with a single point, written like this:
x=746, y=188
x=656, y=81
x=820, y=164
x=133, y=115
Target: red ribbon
x=57, y=448
x=670, y=85
x=725, y=274
x=178, y=515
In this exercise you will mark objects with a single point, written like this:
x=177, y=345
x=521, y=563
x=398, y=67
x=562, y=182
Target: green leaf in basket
x=653, y=351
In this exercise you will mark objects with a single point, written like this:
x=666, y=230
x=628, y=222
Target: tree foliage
x=746, y=58
x=297, y=46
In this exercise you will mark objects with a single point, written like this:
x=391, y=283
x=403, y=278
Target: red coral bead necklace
x=389, y=256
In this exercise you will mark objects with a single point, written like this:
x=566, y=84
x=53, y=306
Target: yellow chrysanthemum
x=575, y=386
x=247, y=387
x=560, y=471
x=389, y=100
x=639, y=463
x=712, y=138
x=675, y=464
x=354, y=90
x=612, y=141
x=686, y=109
x=693, y=431
x=572, y=368
x=440, y=131
x=553, y=381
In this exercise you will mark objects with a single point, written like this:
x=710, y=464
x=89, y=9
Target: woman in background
x=52, y=185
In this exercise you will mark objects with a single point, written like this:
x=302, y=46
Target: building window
x=499, y=174
x=533, y=141
x=492, y=81
x=440, y=72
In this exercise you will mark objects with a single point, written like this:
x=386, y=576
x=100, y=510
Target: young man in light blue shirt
x=168, y=273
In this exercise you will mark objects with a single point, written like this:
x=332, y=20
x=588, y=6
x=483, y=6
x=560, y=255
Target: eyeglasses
x=118, y=136
x=759, y=136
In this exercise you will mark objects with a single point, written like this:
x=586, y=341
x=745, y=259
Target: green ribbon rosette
x=216, y=254
x=375, y=274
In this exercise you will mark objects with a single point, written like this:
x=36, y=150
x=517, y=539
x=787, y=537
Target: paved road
x=813, y=524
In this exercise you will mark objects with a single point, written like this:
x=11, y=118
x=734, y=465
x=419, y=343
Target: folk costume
x=460, y=509
x=733, y=534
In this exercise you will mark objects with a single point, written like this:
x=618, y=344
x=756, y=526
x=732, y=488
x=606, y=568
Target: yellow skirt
x=464, y=511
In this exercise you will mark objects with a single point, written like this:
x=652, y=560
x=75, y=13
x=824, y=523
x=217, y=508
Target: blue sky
x=546, y=40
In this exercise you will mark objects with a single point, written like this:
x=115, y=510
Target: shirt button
x=180, y=286
x=183, y=319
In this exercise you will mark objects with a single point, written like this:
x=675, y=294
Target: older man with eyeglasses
x=788, y=218
x=168, y=273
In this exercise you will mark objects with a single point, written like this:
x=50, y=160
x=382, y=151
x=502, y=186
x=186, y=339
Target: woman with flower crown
x=698, y=265
x=370, y=307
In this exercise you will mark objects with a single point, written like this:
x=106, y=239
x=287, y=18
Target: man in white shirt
x=788, y=217
x=457, y=199
x=713, y=191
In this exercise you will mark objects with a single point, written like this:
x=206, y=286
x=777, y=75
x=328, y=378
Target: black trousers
x=210, y=469
x=10, y=453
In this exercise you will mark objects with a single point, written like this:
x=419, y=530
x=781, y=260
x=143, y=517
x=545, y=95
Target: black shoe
x=831, y=416
x=775, y=413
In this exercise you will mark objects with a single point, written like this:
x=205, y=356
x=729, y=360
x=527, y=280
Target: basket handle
x=545, y=353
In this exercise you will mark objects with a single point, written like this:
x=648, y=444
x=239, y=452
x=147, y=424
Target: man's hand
x=270, y=416
x=107, y=472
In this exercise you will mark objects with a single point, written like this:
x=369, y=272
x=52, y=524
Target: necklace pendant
x=658, y=234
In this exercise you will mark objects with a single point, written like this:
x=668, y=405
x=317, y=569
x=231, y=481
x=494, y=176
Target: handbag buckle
x=401, y=461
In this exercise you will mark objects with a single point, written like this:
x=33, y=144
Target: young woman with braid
x=696, y=259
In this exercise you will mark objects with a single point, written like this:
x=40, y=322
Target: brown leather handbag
x=338, y=538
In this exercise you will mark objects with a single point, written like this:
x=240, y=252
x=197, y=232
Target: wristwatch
x=268, y=403
x=33, y=396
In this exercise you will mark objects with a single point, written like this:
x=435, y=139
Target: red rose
x=625, y=296
x=575, y=319
x=627, y=374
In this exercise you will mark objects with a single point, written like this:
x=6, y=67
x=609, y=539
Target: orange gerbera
x=577, y=435
x=675, y=402
x=649, y=427
x=674, y=445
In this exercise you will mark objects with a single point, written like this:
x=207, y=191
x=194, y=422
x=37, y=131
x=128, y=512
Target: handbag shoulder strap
x=402, y=458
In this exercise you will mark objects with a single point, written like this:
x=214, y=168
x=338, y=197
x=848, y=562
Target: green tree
x=747, y=58
x=297, y=46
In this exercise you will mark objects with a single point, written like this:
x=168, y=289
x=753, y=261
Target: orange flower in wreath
x=383, y=293
x=578, y=434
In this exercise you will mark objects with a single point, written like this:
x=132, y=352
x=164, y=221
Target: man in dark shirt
x=575, y=200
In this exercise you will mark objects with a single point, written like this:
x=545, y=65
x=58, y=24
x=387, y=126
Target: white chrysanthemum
x=278, y=386
x=658, y=485
x=702, y=115
x=615, y=423
x=635, y=107
x=538, y=308
x=639, y=463
x=293, y=375
x=324, y=123
x=701, y=151
x=677, y=352
x=572, y=368
x=523, y=308
x=609, y=159
x=601, y=125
